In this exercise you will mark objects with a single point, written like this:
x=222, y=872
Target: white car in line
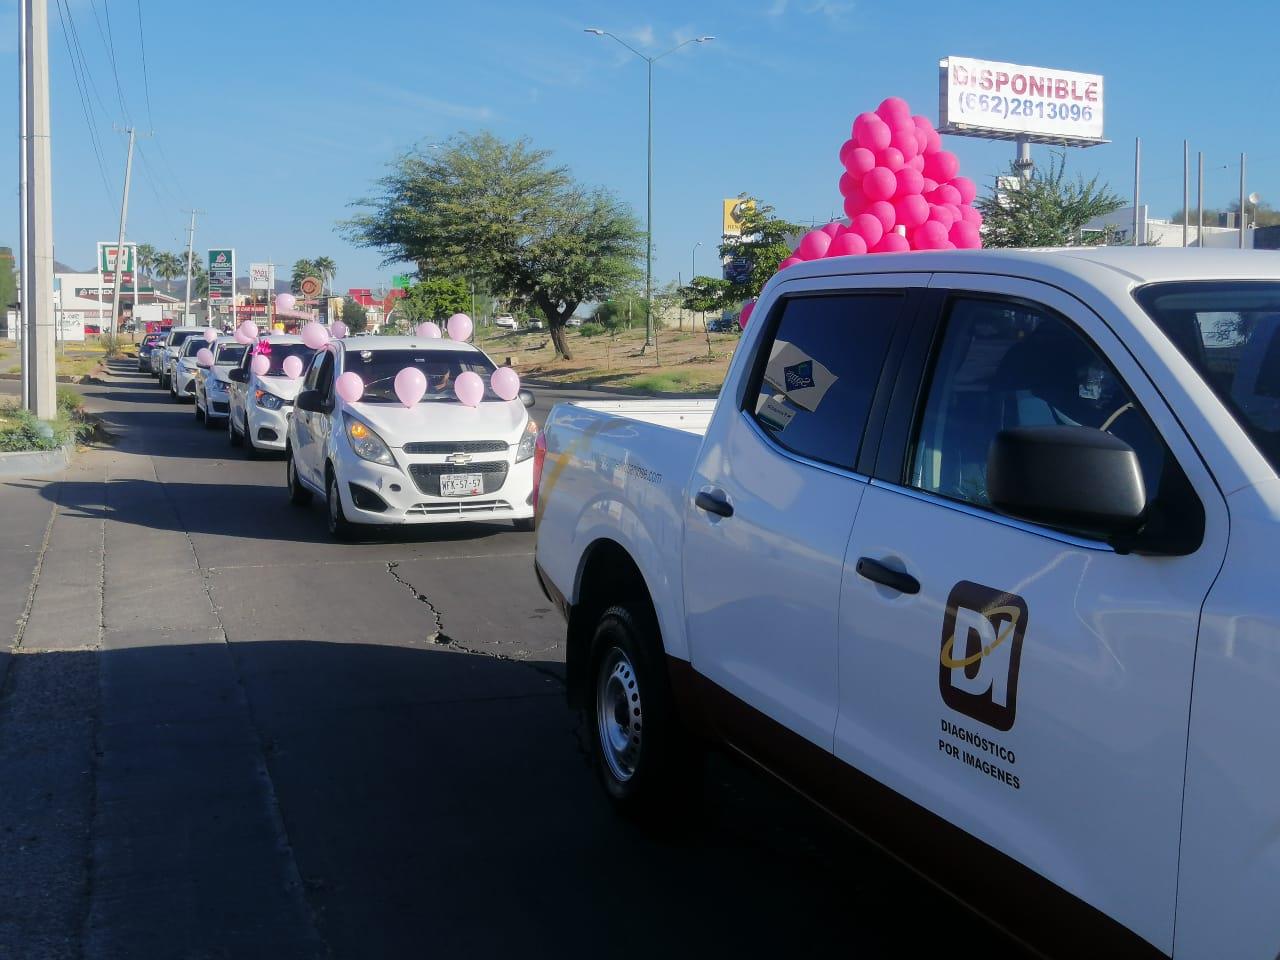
x=259, y=406
x=213, y=385
x=186, y=371
x=376, y=462
x=506, y=323
x=173, y=344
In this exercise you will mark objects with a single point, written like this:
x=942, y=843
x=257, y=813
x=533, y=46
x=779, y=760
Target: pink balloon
x=923, y=128
x=930, y=235
x=879, y=184
x=948, y=194
x=911, y=210
x=933, y=143
x=883, y=211
x=286, y=301
x=848, y=184
x=831, y=229
x=894, y=111
x=411, y=386
x=292, y=367
x=928, y=186
x=314, y=335
x=892, y=243
x=942, y=214
x=965, y=236
x=854, y=204
x=904, y=139
x=813, y=244
x=242, y=337
x=967, y=189
x=349, y=386
x=971, y=215
x=505, y=383
x=469, y=388
x=747, y=309
x=339, y=330
x=860, y=161
x=427, y=330
x=204, y=357
x=789, y=262
x=909, y=182
x=941, y=166
x=848, y=244
x=916, y=163
x=210, y=335
x=869, y=228
x=846, y=151
x=459, y=327
x=260, y=365
x=249, y=329
x=891, y=159
x=871, y=132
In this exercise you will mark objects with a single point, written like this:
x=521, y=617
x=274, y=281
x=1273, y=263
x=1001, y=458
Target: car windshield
x=1230, y=332
x=277, y=352
x=229, y=354
x=179, y=337
x=378, y=369
x=193, y=347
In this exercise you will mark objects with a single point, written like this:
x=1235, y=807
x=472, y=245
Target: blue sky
x=272, y=116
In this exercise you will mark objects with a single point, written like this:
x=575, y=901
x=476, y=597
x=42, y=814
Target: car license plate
x=461, y=484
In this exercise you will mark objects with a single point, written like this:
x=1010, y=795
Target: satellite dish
x=1254, y=198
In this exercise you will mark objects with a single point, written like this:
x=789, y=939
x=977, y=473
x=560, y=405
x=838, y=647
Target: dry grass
x=680, y=364
x=73, y=359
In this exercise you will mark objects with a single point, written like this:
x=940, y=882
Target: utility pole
x=1137, y=175
x=122, y=259
x=24, y=273
x=1200, y=199
x=191, y=236
x=1242, y=199
x=36, y=213
x=1186, y=192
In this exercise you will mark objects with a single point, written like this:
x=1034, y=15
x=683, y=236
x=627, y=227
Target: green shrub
x=591, y=330
x=25, y=432
x=69, y=401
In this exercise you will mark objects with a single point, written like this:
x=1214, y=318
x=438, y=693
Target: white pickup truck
x=972, y=551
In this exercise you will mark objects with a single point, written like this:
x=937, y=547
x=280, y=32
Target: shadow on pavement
x=436, y=804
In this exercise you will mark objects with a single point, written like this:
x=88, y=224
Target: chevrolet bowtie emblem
x=459, y=458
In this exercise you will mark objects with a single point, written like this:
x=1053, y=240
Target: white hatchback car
x=506, y=323
x=377, y=462
x=259, y=406
x=213, y=393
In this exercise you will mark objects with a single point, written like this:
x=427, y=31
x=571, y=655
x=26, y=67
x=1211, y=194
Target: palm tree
x=168, y=266
x=327, y=270
x=146, y=259
x=301, y=270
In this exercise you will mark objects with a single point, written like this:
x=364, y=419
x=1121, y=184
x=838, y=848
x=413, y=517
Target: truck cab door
x=771, y=504
x=1022, y=684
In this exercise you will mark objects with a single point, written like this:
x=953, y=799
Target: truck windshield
x=378, y=369
x=178, y=337
x=229, y=354
x=1230, y=332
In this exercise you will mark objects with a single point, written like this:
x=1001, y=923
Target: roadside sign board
x=108, y=261
x=222, y=275
x=310, y=287
x=996, y=100
x=262, y=276
x=401, y=281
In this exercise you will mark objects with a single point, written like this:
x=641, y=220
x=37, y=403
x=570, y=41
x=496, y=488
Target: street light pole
x=648, y=269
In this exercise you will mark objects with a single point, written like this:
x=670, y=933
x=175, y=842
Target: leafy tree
x=354, y=316
x=498, y=211
x=1261, y=214
x=146, y=259
x=707, y=295
x=621, y=313
x=754, y=257
x=8, y=280
x=301, y=270
x=169, y=266
x=1047, y=210
x=434, y=299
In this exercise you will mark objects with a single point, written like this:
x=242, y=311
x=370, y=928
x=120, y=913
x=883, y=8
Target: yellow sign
x=734, y=209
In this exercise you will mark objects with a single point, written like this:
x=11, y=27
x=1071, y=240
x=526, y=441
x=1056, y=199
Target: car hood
x=221, y=374
x=284, y=387
x=442, y=420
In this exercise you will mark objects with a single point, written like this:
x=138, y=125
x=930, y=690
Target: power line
x=146, y=85
x=82, y=91
x=108, y=41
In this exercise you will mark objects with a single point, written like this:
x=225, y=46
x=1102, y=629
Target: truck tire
x=649, y=764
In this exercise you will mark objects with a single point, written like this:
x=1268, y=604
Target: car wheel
x=524, y=524
x=339, y=527
x=250, y=450
x=299, y=495
x=209, y=422
x=198, y=412
x=233, y=436
x=649, y=764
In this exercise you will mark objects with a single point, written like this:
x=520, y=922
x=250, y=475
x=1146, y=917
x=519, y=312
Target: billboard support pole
x=1242, y=211
x=1022, y=161
x=1186, y=192
x=1137, y=177
x=1200, y=199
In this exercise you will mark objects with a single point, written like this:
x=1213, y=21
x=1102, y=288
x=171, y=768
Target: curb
x=28, y=463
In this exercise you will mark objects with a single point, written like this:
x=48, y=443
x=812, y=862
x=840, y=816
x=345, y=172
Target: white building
x=1163, y=233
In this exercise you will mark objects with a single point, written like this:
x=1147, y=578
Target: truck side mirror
x=1073, y=477
x=238, y=375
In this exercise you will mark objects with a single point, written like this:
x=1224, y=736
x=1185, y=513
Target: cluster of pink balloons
x=411, y=386
x=901, y=192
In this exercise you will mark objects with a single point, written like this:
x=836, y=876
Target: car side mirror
x=1073, y=477
x=238, y=374
x=526, y=397
x=313, y=401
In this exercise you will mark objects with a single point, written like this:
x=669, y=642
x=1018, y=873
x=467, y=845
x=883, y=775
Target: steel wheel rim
x=619, y=715
x=334, y=506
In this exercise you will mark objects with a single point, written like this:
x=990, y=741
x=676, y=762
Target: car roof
x=440, y=344
x=281, y=338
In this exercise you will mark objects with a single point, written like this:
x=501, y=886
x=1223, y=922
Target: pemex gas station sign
x=109, y=257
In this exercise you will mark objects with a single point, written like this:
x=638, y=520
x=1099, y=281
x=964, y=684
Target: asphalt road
x=227, y=736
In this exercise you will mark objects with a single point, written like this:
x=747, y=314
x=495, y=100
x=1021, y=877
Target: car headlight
x=268, y=400
x=525, y=449
x=367, y=444
x=215, y=385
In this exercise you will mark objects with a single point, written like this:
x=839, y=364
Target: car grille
x=220, y=407
x=427, y=475
x=460, y=508
x=457, y=446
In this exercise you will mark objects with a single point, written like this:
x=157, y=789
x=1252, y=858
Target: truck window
x=1005, y=364
x=818, y=372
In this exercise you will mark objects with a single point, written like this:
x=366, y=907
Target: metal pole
x=1186, y=191
x=1242, y=199
x=24, y=245
x=191, y=236
x=1022, y=161
x=648, y=268
x=1200, y=199
x=121, y=259
x=38, y=244
x=1137, y=176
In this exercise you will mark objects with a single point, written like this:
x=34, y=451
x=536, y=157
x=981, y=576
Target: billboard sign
x=108, y=257
x=222, y=275
x=734, y=208
x=70, y=325
x=989, y=98
x=262, y=276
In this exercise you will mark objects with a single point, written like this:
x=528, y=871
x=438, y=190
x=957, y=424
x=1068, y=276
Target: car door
x=1031, y=688
x=317, y=423
x=772, y=501
x=301, y=436
x=237, y=390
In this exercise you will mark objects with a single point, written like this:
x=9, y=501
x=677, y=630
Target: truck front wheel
x=648, y=763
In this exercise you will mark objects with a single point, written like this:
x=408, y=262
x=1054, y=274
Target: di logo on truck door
x=982, y=633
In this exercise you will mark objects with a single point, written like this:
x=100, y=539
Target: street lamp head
x=702, y=39
x=597, y=31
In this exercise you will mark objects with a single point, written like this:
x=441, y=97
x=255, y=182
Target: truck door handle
x=713, y=504
x=877, y=572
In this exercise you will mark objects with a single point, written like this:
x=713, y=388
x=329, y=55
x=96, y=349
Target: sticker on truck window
x=803, y=380
x=982, y=633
